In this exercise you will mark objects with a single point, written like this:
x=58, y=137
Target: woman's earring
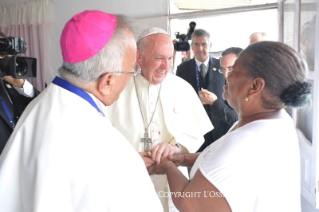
x=246, y=99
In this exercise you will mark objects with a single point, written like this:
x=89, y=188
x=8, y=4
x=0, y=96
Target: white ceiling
x=216, y=4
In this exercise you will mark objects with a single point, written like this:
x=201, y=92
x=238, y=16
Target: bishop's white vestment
x=65, y=156
x=178, y=117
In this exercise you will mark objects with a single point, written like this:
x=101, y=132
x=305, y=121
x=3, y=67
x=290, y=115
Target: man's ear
x=257, y=86
x=105, y=83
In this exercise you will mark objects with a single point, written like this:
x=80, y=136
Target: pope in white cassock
x=157, y=111
x=61, y=156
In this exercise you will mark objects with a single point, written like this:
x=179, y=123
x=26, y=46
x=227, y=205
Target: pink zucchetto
x=86, y=34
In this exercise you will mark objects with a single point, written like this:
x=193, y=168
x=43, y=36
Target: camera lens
x=21, y=67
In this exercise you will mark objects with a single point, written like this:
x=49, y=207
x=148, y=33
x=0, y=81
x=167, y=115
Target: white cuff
x=26, y=90
x=180, y=148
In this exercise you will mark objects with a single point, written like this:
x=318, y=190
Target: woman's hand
x=178, y=159
x=160, y=168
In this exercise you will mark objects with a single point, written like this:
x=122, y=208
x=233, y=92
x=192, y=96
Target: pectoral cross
x=146, y=140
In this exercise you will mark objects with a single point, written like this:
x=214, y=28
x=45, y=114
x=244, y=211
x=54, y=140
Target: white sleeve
x=27, y=89
x=231, y=168
x=192, y=144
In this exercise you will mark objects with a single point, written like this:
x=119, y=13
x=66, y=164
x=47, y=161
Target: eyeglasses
x=222, y=70
x=137, y=71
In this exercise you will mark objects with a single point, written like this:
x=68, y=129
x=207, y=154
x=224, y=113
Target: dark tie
x=202, y=71
x=4, y=96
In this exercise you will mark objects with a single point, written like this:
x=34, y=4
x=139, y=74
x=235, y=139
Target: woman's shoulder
x=280, y=123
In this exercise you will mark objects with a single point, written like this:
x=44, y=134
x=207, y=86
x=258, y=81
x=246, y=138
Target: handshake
x=176, y=159
x=162, y=155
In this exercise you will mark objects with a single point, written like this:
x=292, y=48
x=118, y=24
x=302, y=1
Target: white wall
x=147, y=13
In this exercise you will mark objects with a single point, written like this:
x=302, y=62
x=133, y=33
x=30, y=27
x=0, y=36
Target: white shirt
x=206, y=63
x=256, y=167
x=26, y=90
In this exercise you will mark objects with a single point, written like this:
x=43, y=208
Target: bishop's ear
x=139, y=56
x=105, y=83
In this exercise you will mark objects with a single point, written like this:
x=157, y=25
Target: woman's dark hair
x=284, y=72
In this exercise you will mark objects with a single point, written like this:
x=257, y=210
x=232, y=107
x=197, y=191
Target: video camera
x=16, y=66
x=182, y=43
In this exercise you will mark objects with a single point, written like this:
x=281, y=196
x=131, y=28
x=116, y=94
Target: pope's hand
x=13, y=81
x=207, y=98
x=163, y=149
x=146, y=158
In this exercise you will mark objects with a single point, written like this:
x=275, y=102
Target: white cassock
x=64, y=156
x=179, y=118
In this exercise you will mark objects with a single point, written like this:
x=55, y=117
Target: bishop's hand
x=163, y=149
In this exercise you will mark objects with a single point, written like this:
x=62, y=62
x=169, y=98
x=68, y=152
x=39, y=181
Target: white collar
x=141, y=80
x=198, y=63
x=98, y=103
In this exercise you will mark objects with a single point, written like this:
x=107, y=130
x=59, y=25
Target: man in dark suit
x=15, y=95
x=202, y=72
x=12, y=104
x=220, y=108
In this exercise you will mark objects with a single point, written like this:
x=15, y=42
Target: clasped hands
x=163, y=154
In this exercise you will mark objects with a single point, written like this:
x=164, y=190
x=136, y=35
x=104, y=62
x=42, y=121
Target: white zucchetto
x=151, y=31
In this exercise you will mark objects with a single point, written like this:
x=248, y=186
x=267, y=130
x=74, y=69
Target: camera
x=16, y=66
x=182, y=43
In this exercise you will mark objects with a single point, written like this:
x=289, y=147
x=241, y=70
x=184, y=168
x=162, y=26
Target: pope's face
x=155, y=58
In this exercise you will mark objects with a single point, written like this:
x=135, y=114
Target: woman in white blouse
x=256, y=165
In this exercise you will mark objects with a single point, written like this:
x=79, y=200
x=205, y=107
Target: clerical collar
x=141, y=80
x=198, y=63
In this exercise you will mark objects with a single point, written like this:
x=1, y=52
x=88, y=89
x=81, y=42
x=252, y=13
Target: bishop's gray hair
x=109, y=59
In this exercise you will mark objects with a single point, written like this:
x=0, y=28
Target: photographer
x=181, y=43
x=15, y=95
